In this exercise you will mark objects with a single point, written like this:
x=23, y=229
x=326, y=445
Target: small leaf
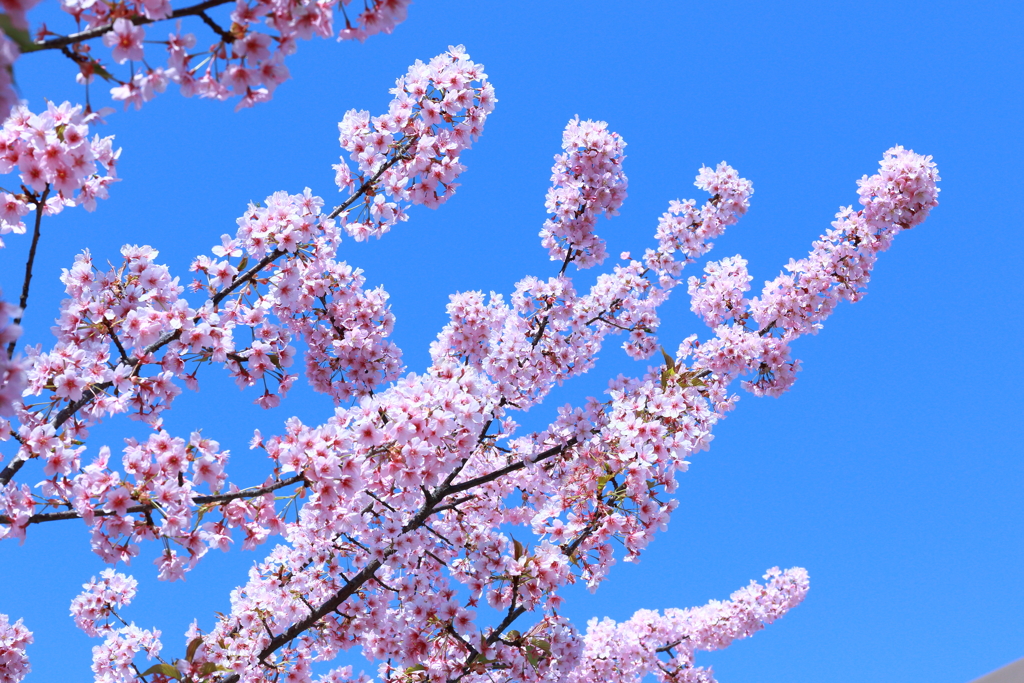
x=542, y=644
x=165, y=669
x=20, y=36
x=414, y=669
x=517, y=549
x=670, y=362
x=209, y=667
x=193, y=645
x=98, y=69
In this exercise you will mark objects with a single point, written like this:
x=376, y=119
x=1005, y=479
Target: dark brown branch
x=400, y=154
x=668, y=648
x=216, y=28
x=40, y=205
x=11, y=470
x=571, y=548
x=497, y=474
x=430, y=507
x=63, y=41
x=117, y=342
x=512, y=614
x=199, y=501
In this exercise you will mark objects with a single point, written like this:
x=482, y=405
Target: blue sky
x=892, y=471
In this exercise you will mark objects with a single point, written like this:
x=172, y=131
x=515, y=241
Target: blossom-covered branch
x=421, y=496
x=247, y=59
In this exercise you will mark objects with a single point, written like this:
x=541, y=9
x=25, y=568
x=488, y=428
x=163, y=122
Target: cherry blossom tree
x=421, y=508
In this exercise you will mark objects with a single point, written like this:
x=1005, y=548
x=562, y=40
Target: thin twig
x=496, y=474
x=216, y=28
x=198, y=500
x=40, y=205
x=63, y=41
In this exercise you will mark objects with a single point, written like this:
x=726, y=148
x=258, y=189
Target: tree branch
x=40, y=205
x=216, y=28
x=199, y=501
x=400, y=154
x=81, y=36
x=497, y=474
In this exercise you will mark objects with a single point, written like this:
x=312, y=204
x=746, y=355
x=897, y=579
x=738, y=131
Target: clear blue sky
x=892, y=471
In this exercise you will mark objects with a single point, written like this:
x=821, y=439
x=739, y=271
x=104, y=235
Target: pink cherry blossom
x=125, y=41
x=56, y=160
x=587, y=182
x=14, y=665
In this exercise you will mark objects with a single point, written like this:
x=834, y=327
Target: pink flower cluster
x=685, y=232
x=244, y=61
x=412, y=153
x=58, y=165
x=838, y=268
x=127, y=341
x=587, y=182
x=717, y=297
x=14, y=638
x=94, y=610
x=162, y=471
x=897, y=198
x=664, y=645
x=551, y=333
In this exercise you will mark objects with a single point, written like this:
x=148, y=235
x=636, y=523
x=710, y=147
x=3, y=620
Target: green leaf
x=542, y=644
x=670, y=362
x=165, y=669
x=414, y=669
x=209, y=667
x=193, y=645
x=98, y=69
x=20, y=36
